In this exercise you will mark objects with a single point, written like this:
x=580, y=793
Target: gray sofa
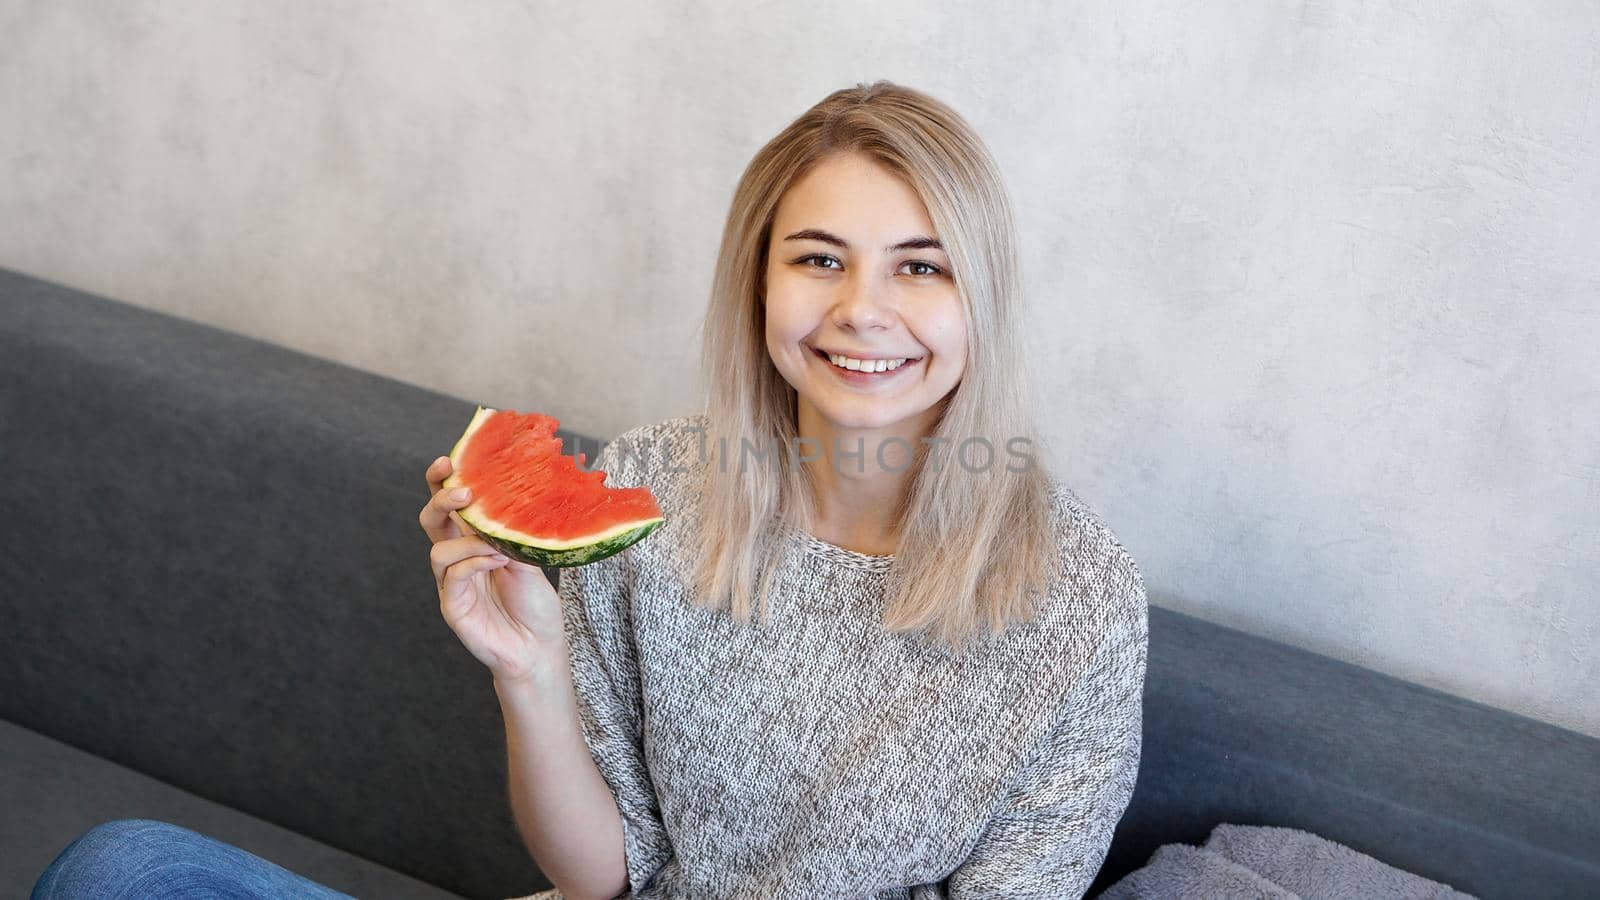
x=218, y=612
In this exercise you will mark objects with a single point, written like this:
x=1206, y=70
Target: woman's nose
x=864, y=303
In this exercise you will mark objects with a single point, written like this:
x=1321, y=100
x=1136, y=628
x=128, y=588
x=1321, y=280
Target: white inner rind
x=502, y=530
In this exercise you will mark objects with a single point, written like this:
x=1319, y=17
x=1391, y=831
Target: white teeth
x=866, y=365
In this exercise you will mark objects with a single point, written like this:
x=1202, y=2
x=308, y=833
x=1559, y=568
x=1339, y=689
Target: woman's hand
x=506, y=612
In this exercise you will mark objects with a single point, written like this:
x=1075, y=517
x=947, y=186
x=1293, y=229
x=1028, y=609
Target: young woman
x=876, y=651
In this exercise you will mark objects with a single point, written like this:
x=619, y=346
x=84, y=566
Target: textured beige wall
x=1316, y=284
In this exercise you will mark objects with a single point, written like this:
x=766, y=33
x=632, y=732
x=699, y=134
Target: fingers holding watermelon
x=436, y=519
x=545, y=512
x=456, y=559
x=505, y=612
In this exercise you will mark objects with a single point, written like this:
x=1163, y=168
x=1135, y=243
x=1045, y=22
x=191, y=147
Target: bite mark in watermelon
x=532, y=502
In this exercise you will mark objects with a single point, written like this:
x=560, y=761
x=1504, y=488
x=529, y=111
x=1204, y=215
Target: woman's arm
x=1055, y=826
x=563, y=807
x=581, y=790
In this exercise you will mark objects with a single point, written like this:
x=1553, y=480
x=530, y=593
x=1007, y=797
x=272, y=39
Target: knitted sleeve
x=596, y=604
x=1056, y=821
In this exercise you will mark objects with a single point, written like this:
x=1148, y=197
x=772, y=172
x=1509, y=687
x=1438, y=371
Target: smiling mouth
x=845, y=370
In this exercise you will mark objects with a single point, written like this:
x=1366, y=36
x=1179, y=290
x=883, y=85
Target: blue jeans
x=139, y=858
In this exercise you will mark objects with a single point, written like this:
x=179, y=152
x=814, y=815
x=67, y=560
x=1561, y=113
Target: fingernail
x=459, y=494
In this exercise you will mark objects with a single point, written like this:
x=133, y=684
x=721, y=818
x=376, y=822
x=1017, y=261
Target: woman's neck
x=861, y=476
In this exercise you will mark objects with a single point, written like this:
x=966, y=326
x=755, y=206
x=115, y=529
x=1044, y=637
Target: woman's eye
x=810, y=258
x=932, y=269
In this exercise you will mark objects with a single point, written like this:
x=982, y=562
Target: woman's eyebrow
x=920, y=242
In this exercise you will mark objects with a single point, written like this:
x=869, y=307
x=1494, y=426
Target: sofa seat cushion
x=52, y=792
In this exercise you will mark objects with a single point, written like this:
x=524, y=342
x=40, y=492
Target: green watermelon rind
x=569, y=554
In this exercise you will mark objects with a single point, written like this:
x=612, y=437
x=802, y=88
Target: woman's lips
x=854, y=377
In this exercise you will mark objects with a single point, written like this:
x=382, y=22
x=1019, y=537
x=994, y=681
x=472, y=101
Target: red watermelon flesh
x=533, y=503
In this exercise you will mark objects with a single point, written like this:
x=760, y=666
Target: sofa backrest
x=214, y=575
x=1251, y=731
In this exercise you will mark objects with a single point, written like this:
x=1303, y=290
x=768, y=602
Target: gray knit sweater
x=818, y=756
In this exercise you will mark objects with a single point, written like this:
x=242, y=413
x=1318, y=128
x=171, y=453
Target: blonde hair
x=973, y=549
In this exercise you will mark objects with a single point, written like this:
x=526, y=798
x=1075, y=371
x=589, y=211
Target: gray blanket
x=1250, y=862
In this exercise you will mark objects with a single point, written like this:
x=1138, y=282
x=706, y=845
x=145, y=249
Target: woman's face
x=839, y=282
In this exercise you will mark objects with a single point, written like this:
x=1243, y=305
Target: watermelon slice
x=532, y=502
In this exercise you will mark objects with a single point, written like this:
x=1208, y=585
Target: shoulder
x=1093, y=620
x=1101, y=609
x=659, y=455
x=1094, y=559
x=644, y=451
